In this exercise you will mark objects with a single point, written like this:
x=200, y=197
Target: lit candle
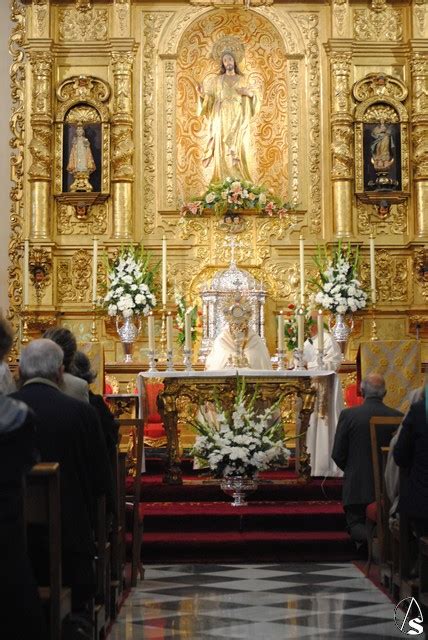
x=151, y=331
x=94, y=270
x=372, y=270
x=26, y=273
x=169, y=332
x=164, y=271
x=188, y=330
x=302, y=269
x=300, y=329
x=281, y=331
x=320, y=328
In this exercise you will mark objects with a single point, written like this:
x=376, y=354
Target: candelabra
x=298, y=359
x=152, y=361
x=187, y=359
x=281, y=359
x=24, y=336
x=94, y=334
x=374, y=335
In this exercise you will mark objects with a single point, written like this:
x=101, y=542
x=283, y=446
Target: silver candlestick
x=187, y=359
x=320, y=359
x=169, y=361
x=281, y=359
x=152, y=361
x=298, y=359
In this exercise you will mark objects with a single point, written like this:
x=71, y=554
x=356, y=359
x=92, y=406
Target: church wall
x=142, y=52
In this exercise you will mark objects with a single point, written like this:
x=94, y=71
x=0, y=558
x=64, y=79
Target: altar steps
x=286, y=519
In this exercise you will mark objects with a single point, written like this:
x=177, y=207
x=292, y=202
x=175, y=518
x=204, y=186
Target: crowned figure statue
x=237, y=345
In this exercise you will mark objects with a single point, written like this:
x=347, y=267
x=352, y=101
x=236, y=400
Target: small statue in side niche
x=81, y=161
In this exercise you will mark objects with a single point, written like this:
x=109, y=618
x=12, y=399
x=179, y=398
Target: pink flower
x=270, y=208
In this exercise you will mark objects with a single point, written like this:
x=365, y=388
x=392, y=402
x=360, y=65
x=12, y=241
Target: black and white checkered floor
x=256, y=602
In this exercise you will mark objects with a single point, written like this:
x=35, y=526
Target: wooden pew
x=42, y=507
x=117, y=534
x=403, y=584
x=102, y=571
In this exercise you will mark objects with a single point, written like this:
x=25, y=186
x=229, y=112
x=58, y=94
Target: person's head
x=66, y=340
x=41, y=359
x=80, y=130
x=373, y=386
x=228, y=63
x=6, y=338
x=81, y=367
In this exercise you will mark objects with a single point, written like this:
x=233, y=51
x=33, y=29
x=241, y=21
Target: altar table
x=319, y=401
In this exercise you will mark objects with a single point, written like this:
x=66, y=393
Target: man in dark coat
x=352, y=453
x=68, y=432
x=411, y=453
x=21, y=611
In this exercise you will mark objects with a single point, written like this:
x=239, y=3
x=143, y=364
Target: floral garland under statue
x=130, y=293
x=238, y=442
x=338, y=289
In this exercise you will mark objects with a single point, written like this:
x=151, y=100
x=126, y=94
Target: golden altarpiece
x=332, y=77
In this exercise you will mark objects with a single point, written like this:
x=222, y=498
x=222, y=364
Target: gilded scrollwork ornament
x=40, y=268
x=94, y=224
x=342, y=152
x=340, y=10
x=74, y=277
x=420, y=265
x=379, y=22
x=83, y=23
x=392, y=277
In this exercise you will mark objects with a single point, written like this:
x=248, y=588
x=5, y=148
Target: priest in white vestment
x=332, y=352
x=238, y=346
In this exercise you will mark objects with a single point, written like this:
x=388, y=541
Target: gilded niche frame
x=83, y=100
x=381, y=139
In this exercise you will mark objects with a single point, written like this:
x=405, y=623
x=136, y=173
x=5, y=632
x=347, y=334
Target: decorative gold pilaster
x=40, y=145
x=419, y=68
x=342, y=171
x=122, y=145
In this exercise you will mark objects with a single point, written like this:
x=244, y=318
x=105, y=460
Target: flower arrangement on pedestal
x=338, y=287
x=237, y=195
x=182, y=309
x=242, y=440
x=290, y=326
x=130, y=284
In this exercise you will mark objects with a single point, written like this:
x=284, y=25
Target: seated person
x=237, y=345
x=332, y=352
x=70, y=384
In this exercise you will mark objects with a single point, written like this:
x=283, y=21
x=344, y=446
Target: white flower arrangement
x=240, y=441
x=130, y=284
x=339, y=289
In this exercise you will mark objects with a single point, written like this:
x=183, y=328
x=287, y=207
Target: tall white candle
x=151, y=331
x=320, y=329
x=164, y=283
x=281, y=331
x=188, y=330
x=302, y=269
x=300, y=329
x=169, y=332
x=372, y=270
x=26, y=273
x=94, y=270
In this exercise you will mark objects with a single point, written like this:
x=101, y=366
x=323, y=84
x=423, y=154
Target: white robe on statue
x=224, y=346
x=332, y=353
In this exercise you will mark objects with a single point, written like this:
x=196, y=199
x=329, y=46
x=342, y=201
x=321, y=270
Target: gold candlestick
x=162, y=356
x=374, y=335
x=25, y=338
x=94, y=333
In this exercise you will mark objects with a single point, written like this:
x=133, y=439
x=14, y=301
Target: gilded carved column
x=40, y=146
x=122, y=146
x=342, y=133
x=419, y=68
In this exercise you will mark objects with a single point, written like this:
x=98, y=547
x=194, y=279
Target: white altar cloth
x=322, y=428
